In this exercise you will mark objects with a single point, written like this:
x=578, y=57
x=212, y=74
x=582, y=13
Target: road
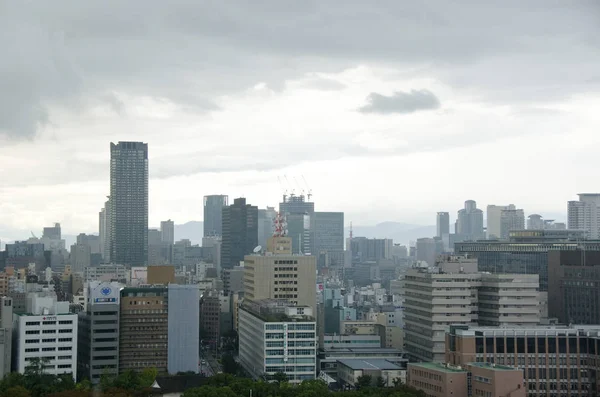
x=210, y=366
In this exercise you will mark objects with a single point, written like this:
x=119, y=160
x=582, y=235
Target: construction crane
x=308, y=189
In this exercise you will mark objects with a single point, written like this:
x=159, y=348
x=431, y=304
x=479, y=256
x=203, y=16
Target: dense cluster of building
x=505, y=307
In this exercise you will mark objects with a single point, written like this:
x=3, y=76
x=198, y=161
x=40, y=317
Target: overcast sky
x=391, y=110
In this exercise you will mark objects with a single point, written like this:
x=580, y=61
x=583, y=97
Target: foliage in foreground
x=36, y=383
x=225, y=385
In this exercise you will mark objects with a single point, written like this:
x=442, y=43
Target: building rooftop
x=494, y=367
x=362, y=350
x=373, y=364
x=439, y=367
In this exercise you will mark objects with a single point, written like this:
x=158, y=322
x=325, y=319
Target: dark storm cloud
x=62, y=52
x=401, y=102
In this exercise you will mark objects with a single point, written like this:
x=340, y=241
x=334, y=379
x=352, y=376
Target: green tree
x=147, y=377
x=280, y=377
x=37, y=366
x=381, y=382
x=364, y=381
x=397, y=382
x=84, y=385
x=16, y=391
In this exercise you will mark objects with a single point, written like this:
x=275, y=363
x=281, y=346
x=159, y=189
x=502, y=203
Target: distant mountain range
x=400, y=232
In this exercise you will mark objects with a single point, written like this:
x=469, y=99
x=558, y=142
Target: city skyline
x=425, y=93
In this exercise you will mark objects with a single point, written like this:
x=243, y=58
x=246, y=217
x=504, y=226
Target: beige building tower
x=454, y=292
x=277, y=274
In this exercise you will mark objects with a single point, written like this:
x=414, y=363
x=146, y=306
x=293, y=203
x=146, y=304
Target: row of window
x=49, y=331
x=48, y=340
x=37, y=323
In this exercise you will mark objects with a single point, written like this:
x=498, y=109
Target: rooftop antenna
x=350, y=230
x=280, y=226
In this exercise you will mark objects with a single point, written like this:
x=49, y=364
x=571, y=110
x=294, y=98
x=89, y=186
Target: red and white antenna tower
x=280, y=225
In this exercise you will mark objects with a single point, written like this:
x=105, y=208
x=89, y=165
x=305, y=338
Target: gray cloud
x=401, y=102
x=62, y=52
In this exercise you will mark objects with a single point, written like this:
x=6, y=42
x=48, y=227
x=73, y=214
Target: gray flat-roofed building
x=350, y=370
x=184, y=328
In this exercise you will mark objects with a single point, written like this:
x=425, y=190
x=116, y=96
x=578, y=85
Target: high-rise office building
x=293, y=204
x=46, y=330
x=129, y=203
x=104, y=231
x=281, y=275
x=183, y=328
x=80, y=257
x=468, y=297
x=370, y=249
x=266, y=218
x=299, y=213
x=494, y=220
x=442, y=224
x=426, y=250
x=240, y=233
x=327, y=235
x=573, y=280
x=511, y=218
x=98, y=350
x=143, y=328
x=52, y=232
x=526, y=252
x=469, y=224
x=298, y=229
x=213, y=214
x=535, y=222
x=278, y=337
x=585, y=214
x=167, y=232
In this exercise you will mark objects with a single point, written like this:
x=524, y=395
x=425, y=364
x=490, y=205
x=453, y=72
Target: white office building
x=275, y=337
x=585, y=214
x=49, y=332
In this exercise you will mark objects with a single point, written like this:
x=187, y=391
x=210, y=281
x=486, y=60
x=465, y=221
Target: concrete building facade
x=167, y=232
x=240, y=233
x=143, y=329
x=46, y=331
x=585, y=215
x=473, y=379
x=98, y=350
x=456, y=293
x=183, y=328
x=554, y=360
x=280, y=276
x=469, y=223
x=213, y=218
x=511, y=219
x=275, y=337
x=574, y=286
x=129, y=203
